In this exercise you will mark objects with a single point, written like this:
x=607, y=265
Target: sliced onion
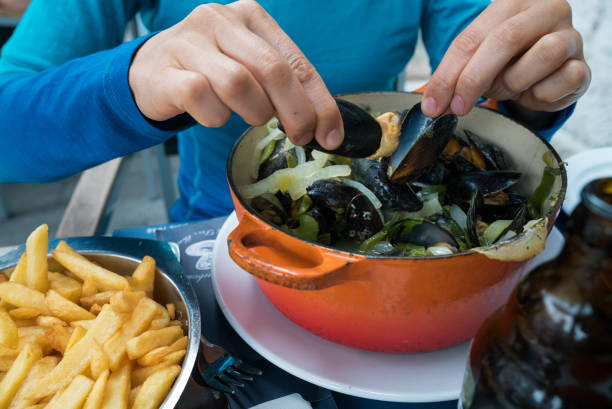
x=366, y=192
x=298, y=188
x=507, y=236
x=458, y=216
x=382, y=247
x=287, y=146
x=283, y=178
x=439, y=251
x=301, y=154
x=274, y=135
x=494, y=230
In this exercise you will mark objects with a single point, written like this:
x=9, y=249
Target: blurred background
x=134, y=203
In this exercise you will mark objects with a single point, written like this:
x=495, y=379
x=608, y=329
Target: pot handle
x=273, y=256
x=489, y=103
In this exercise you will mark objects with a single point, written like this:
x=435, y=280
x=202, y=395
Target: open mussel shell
x=421, y=141
x=461, y=188
x=362, y=134
x=424, y=234
x=493, y=155
x=355, y=215
x=277, y=160
x=503, y=211
x=392, y=195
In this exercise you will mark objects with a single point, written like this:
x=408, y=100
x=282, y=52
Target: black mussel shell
x=422, y=139
x=270, y=208
x=459, y=165
x=276, y=161
x=322, y=219
x=285, y=200
x=461, y=187
x=425, y=234
x=331, y=195
x=373, y=174
x=434, y=175
x=476, y=204
x=354, y=214
x=492, y=212
x=519, y=219
x=494, y=157
x=362, y=219
x=362, y=134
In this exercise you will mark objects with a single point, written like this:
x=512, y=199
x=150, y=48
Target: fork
x=221, y=371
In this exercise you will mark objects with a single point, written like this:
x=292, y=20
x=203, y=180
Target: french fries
x=144, y=276
x=142, y=315
x=74, y=395
x=39, y=369
x=24, y=313
x=68, y=288
x=66, y=309
x=156, y=355
x=140, y=345
x=76, y=335
x=17, y=373
x=155, y=388
x=84, y=269
x=21, y=296
x=96, y=396
x=37, y=268
x=119, y=383
x=8, y=330
x=19, y=273
x=99, y=360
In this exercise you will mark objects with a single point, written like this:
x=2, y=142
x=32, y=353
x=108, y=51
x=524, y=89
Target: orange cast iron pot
x=385, y=304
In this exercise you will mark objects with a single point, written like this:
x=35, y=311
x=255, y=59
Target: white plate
x=583, y=168
x=427, y=377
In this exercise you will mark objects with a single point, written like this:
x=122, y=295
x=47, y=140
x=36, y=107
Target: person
x=72, y=96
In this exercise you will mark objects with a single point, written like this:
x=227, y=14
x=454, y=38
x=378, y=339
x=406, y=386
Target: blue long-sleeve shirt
x=66, y=105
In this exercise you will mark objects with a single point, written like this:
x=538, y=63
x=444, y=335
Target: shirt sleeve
x=443, y=20
x=64, y=104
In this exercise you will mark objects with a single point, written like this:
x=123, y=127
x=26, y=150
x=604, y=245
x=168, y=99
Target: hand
x=234, y=58
x=525, y=51
x=17, y=6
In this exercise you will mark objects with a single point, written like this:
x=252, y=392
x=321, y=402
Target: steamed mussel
x=429, y=189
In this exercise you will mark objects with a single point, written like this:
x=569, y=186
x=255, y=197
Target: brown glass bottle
x=550, y=347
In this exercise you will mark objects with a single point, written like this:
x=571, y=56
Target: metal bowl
x=122, y=255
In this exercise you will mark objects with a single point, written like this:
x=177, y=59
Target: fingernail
x=333, y=139
x=457, y=105
x=429, y=106
x=304, y=139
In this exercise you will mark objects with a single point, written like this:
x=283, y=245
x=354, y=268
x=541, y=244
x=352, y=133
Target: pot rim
x=553, y=210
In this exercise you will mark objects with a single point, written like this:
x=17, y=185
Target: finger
x=441, y=86
x=191, y=92
x=560, y=89
x=231, y=82
x=506, y=41
x=329, y=130
x=546, y=56
x=291, y=103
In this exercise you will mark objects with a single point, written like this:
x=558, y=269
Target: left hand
x=526, y=51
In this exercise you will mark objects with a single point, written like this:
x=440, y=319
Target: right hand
x=234, y=58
